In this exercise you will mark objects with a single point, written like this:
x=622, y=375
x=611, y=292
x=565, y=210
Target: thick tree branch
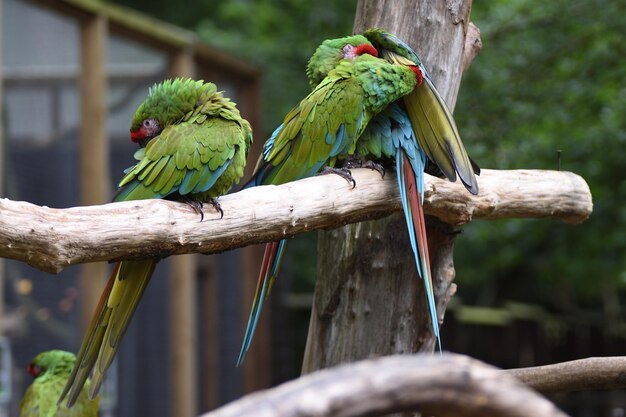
x=51, y=239
x=446, y=385
x=578, y=375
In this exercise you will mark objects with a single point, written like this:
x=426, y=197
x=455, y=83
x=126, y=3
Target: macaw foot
x=197, y=205
x=356, y=162
x=342, y=172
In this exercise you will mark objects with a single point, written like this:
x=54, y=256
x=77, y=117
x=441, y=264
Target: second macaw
x=322, y=129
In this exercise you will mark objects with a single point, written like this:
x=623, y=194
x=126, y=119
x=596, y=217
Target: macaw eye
x=34, y=370
x=348, y=49
x=147, y=123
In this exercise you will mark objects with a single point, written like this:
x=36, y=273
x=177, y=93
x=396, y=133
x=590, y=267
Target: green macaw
x=51, y=370
x=193, y=148
x=425, y=137
x=324, y=128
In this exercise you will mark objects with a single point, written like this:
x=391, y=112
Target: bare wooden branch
x=578, y=375
x=52, y=239
x=441, y=385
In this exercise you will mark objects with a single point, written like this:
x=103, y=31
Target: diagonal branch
x=51, y=239
x=441, y=385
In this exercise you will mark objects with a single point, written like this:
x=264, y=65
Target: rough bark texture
x=369, y=299
x=445, y=386
x=52, y=239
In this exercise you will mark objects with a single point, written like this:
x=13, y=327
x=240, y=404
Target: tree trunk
x=369, y=300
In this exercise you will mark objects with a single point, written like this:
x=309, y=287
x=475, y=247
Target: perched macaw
x=51, y=370
x=426, y=134
x=324, y=128
x=193, y=148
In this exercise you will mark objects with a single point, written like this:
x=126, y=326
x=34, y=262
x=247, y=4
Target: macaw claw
x=197, y=205
x=216, y=205
x=355, y=162
x=342, y=172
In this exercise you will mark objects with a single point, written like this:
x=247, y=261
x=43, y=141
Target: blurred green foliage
x=550, y=77
x=278, y=35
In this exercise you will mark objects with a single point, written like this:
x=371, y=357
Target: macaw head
x=331, y=51
x=396, y=51
x=167, y=103
x=49, y=360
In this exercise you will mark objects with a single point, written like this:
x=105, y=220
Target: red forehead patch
x=366, y=48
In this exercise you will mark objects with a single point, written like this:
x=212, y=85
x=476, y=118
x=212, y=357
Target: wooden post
x=369, y=300
x=183, y=309
x=2, y=176
x=93, y=146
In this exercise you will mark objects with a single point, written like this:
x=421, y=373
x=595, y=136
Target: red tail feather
x=415, y=201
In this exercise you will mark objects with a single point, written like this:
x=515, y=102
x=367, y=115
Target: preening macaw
x=193, y=148
x=324, y=128
x=416, y=131
x=50, y=371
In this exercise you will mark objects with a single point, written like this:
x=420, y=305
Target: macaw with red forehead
x=352, y=86
x=50, y=371
x=193, y=148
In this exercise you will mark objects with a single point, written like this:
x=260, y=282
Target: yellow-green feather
x=434, y=125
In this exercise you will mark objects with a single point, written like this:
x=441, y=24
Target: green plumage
x=40, y=399
x=198, y=151
x=350, y=86
x=327, y=123
x=203, y=144
x=327, y=56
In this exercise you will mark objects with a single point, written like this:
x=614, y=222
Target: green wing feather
x=188, y=159
x=327, y=123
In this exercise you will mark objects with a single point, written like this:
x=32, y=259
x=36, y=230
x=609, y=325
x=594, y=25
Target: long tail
x=411, y=183
x=117, y=304
x=272, y=258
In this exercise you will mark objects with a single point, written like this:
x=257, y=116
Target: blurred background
x=549, y=80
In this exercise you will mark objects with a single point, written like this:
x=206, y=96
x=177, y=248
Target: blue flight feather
x=267, y=282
